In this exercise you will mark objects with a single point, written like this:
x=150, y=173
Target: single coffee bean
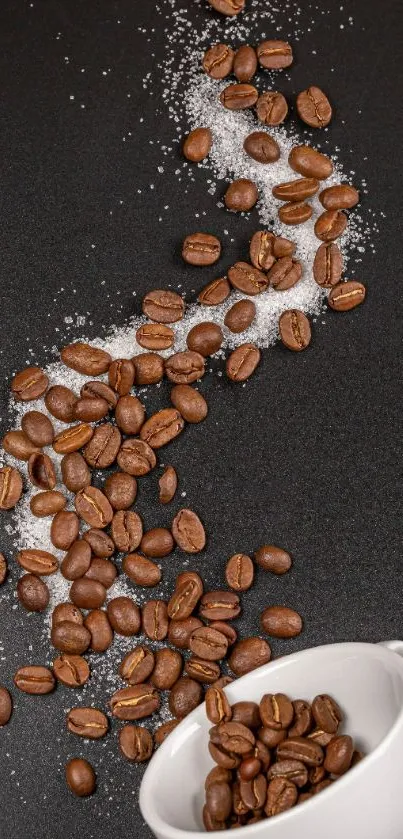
x=310, y=163
x=137, y=665
x=85, y=359
x=249, y=768
x=328, y=265
x=282, y=247
x=185, y=579
x=276, y=711
x=295, y=213
x=218, y=775
x=239, y=572
x=222, y=758
x=47, y=503
x=317, y=774
x=6, y=706
x=346, y=296
x=253, y=792
x=168, y=481
x=274, y=559
x=188, y=532
x=90, y=409
x=240, y=316
x=155, y=336
x=227, y=7
x=87, y=594
x=235, y=737
x=357, y=757
x=205, y=338
x=219, y=800
x=34, y=680
x=157, y=542
x=60, y=402
x=29, y=384
x=218, y=708
x=103, y=447
x=32, y=593
x=135, y=743
x=300, y=748
x=129, y=414
x=66, y=612
x=249, y=654
x=100, y=629
x=241, y=195
x=281, y=622
x=126, y=530
x=73, y=438
x=298, y=190
x=242, y=362
x=203, y=671
x=155, y=620
x=162, y=732
x=237, y=97
x=18, y=445
x=326, y=713
x=71, y=670
x=41, y=471
x=135, y=702
x=80, y=777
x=285, y=273
x=3, y=569
x=220, y=605
x=218, y=62
x=121, y=376
x=38, y=427
x=281, y=796
x=185, y=696
x=209, y=822
x=322, y=738
x=99, y=390
x=215, y=292
x=197, y=144
x=163, y=306
x=93, y=507
x=70, y=637
x=168, y=668
x=149, y=368
x=208, y=643
x=100, y=543
x=201, y=249
x=330, y=225
x=136, y=457
x=10, y=487
x=102, y=570
x=271, y=737
x=245, y=63
x=339, y=754
x=295, y=330
x=314, y=108
x=262, y=147
x=275, y=55
x=120, y=490
x=141, y=570
x=272, y=108
x=41, y=563
x=124, y=616
x=323, y=785
x=75, y=472
x=246, y=713
x=338, y=197
x=261, y=250
x=162, y=427
x=189, y=402
x=180, y=630
x=87, y=722
x=302, y=722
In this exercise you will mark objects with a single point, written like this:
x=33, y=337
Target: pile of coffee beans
x=271, y=756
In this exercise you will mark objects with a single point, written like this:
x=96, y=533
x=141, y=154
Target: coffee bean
x=37, y=562
x=218, y=62
x=90, y=410
x=310, y=163
x=100, y=630
x=163, y=731
x=262, y=147
x=149, y=368
x=168, y=481
x=66, y=612
x=75, y=472
x=189, y=402
x=185, y=696
x=10, y=487
x=281, y=796
x=130, y=414
x=339, y=197
x=87, y=722
x=157, y=542
x=271, y=737
x=155, y=336
x=272, y=108
x=70, y=637
x=100, y=543
x=242, y=362
x=261, y=250
x=121, y=376
x=102, y=570
x=18, y=445
x=314, y=108
x=208, y=643
x=203, y=671
x=245, y=63
x=249, y=768
x=34, y=680
x=47, y=503
x=162, y=427
x=137, y=665
x=240, y=316
x=317, y=774
x=218, y=775
x=298, y=190
x=253, y=792
x=219, y=800
x=275, y=55
x=241, y=195
x=155, y=620
x=323, y=785
x=60, y=402
x=87, y=594
x=346, y=296
x=99, y=390
x=85, y=359
x=227, y=7
x=73, y=438
x=135, y=702
x=237, y=97
x=327, y=713
x=102, y=449
x=339, y=753
x=29, y=384
x=295, y=330
x=38, y=428
x=322, y=738
x=41, y=471
x=235, y=737
x=163, y=306
x=282, y=247
x=328, y=265
x=215, y=292
x=124, y=616
x=295, y=213
x=71, y=670
x=179, y=631
x=357, y=758
x=301, y=748
x=136, y=457
x=274, y=559
x=188, y=531
x=249, y=654
x=302, y=723
x=136, y=743
x=246, y=713
x=281, y=622
x=197, y=144
x=126, y=530
x=218, y=708
x=239, y=572
x=141, y=570
x=276, y=711
x=3, y=569
x=220, y=605
x=120, y=490
x=285, y=273
x=6, y=706
x=201, y=249
x=168, y=668
x=80, y=777
x=205, y=338
x=330, y=225
x=93, y=507
x=222, y=758
x=32, y=593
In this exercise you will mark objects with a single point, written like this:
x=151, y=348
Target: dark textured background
x=308, y=455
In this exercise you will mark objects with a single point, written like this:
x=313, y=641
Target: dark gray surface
x=308, y=455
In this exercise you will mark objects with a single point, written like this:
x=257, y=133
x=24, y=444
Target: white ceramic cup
x=366, y=803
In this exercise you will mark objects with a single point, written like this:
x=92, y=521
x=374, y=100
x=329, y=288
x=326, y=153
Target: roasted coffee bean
x=34, y=680
x=282, y=247
x=314, y=108
x=10, y=487
x=80, y=777
x=100, y=543
x=323, y=785
x=103, y=447
x=6, y=706
x=136, y=743
x=201, y=249
x=237, y=97
x=222, y=758
x=38, y=428
x=141, y=570
x=126, y=530
x=285, y=273
x=71, y=670
x=272, y=108
x=322, y=738
x=155, y=336
x=41, y=563
x=253, y=792
x=189, y=402
x=70, y=637
x=281, y=622
x=295, y=213
x=66, y=612
x=87, y=594
x=121, y=376
x=99, y=390
x=298, y=190
x=155, y=620
x=100, y=629
x=218, y=775
x=162, y=427
x=219, y=800
x=227, y=7
x=29, y=384
x=102, y=570
x=157, y=542
x=240, y=316
x=149, y=368
x=242, y=362
x=187, y=577
x=47, y=503
x=235, y=737
x=180, y=630
x=281, y=796
x=245, y=63
x=136, y=457
x=246, y=713
x=330, y=225
x=310, y=163
x=163, y=306
x=129, y=414
x=241, y=195
x=249, y=654
x=185, y=696
x=197, y=144
x=208, y=643
x=339, y=754
x=32, y=593
x=162, y=732
x=168, y=482
x=239, y=808
x=261, y=250
x=205, y=338
x=274, y=559
x=262, y=147
x=276, y=711
x=301, y=748
x=124, y=616
x=75, y=472
x=357, y=757
x=220, y=605
x=346, y=296
x=3, y=569
x=60, y=402
x=41, y=471
x=90, y=409
x=120, y=490
x=249, y=768
x=338, y=197
x=302, y=722
x=271, y=737
x=137, y=665
x=326, y=713
x=215, y=292
x=275, y=55
x=87, y=722
x=18, y=445
x=217, y=63
x=295, y=330
x=85, y=359
x=317, y=774
x=73, y=438
x=93, y=507
x=188, y=532
x=239, y=572
x=205, y=672
x=168, y=668
x=135, y=702
x=218, y=708
x=328, y=265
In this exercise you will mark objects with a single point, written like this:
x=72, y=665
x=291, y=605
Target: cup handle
x=395, y=646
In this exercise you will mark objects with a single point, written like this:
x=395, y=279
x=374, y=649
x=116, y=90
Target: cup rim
x=156, y=823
